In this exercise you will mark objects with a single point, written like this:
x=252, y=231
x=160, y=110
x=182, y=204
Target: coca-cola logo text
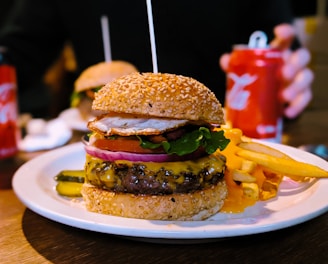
x=237, y=97
x=8, y=110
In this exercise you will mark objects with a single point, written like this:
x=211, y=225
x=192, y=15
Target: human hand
x=298, y=78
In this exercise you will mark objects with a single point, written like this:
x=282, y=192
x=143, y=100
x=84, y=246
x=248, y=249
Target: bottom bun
x=198, y=205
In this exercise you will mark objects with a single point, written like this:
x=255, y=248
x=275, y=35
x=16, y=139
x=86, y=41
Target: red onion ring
x=121, y=155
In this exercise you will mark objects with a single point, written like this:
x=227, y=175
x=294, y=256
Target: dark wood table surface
x=26, y=237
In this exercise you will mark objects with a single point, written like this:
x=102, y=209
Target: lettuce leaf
x=76, y=97
x=191, y=141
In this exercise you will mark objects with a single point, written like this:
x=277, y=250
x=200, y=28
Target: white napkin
x=42, y=135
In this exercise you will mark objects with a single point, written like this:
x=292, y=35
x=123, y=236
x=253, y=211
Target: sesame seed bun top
x=160, y=95
x=101, y=73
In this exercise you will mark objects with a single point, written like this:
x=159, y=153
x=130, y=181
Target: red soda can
x=253, y=85
x=9, y=133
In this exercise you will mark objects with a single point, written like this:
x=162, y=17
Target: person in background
x=193, y=38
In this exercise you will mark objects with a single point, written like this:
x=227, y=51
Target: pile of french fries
x=259, y=169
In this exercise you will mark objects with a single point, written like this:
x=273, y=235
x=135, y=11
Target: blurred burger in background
x=92, y=79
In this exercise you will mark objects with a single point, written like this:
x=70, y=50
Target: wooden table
x=26, y=237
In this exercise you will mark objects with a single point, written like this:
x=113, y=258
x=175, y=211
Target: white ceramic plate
x=34, y=185
x=73, y=119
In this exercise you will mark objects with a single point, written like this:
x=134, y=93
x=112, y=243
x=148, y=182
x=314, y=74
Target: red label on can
x=252, y=98
x=8, y=112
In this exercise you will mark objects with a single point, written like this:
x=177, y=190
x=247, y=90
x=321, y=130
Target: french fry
x=248, y=166
x=251, y=190
x=242, y=176
x=287, y=167
x=270, y=186
x=258, y=147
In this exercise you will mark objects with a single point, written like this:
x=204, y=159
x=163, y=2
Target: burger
x=92, y=79
x=150, y=155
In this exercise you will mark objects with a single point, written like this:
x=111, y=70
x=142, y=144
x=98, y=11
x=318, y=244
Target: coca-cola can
x=9, y=132
x=253, y=87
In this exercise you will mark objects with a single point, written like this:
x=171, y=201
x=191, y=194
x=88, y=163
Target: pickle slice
x=70, y=189
x=71, y=176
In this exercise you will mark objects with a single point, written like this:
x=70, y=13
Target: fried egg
x=127, y=125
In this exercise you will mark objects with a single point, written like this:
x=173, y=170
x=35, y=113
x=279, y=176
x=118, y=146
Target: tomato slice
x=126, y=144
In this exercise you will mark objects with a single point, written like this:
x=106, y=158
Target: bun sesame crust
x=102, y=73
x=160, y=95
x=194, y=206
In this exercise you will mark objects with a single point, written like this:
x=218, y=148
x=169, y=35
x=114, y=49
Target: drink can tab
x=253, y=87
x=258, y=39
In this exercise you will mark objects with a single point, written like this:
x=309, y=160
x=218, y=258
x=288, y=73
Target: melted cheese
x=236, y=201
x=212, y=163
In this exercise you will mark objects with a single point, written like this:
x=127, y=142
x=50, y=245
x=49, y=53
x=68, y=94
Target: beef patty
x=145, y=178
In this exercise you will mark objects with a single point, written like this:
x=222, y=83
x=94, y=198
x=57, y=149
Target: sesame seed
x=159, y=94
